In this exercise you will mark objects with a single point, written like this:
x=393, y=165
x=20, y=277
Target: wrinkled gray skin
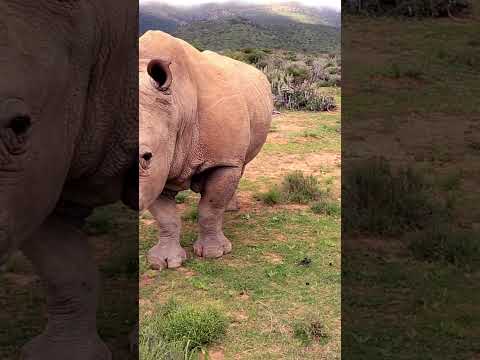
x=203, y=117
x=68, y=139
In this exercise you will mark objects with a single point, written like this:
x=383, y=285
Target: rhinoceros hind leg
x=59, y=252
x=167, y=253
x=219, y=189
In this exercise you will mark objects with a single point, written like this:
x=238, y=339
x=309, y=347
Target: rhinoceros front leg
x=167, y=253
x=60, y=254
x=218, y=190
x=234, y=204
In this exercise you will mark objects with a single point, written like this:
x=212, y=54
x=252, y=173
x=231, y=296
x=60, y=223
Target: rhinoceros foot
x=44, y=347
x=167, y=256
x=212, y=246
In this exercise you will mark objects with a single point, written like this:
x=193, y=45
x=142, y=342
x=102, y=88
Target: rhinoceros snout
x=4, y=246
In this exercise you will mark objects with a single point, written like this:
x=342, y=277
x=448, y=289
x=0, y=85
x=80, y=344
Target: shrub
x=307, y=331
x=271, y=197
x=296, y=78
x=446, y=243
x=192, y=214
x=299, y=74
x=248, y=55
x=188, y=323
x=418, y=8
x=179, y=331
x=386, y=202
x=301, y=97
x=301, y=189
x=326, y=207
x=181, y=197
x=295, y=188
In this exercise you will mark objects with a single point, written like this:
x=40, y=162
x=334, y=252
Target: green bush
x=326, y=207
x=181, y=197
x=418, y=8
x=299, y=74
x=200, y=326
x=192, y=214
x=299, y=188
x=249, y=55
x=295, y=188
x=296, y=79
x=271, y=197
x=308, y=331
x=387, y=202
x=446, y=243
x=180, y=331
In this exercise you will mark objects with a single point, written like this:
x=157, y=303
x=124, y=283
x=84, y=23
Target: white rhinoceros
x=68, y=142
x=203, y=118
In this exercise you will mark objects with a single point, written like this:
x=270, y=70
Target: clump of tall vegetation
x=412, y=8
x=298, y=80
x=297, y=188
x=386, y=201
x=180, y=331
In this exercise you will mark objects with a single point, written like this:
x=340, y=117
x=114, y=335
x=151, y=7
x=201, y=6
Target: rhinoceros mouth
x=4, y=246
x=4, y=258
x=5, y=238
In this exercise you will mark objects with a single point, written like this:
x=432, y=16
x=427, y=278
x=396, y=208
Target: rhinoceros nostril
x=147, y=156
x=20, y=124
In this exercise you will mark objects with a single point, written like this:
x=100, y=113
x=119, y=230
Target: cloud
x=335, y=4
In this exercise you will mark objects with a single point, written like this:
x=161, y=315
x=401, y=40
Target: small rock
x=305, y=262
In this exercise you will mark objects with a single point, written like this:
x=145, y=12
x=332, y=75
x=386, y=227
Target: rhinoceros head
x=167, y=99
x=157, y=128
x=38, y=118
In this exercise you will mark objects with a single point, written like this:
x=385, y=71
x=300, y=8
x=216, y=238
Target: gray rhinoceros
x=203, y=117
x=68, y=142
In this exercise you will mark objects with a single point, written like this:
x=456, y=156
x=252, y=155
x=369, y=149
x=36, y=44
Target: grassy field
x=411, y=289
x=112, y=234
x=278, y=292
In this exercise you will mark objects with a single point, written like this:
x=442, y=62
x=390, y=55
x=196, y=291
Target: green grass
x=322, y=134
x=296, y=188
x=447, y=244
x=408, y=284
x=326, y=207
x=191, y=214
x=418, y=307
x=300, y=188
x=113, y=232
x=180, y=331
x=271, y=197
x=262, y=291
x=283, y=272
x=432, y=51
x=308, y=331
x=386, y=201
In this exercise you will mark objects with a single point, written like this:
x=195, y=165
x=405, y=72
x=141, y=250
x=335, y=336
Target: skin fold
x=203, y=118
x=68, y=143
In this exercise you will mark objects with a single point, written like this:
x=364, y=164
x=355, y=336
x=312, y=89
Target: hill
x=290, y=26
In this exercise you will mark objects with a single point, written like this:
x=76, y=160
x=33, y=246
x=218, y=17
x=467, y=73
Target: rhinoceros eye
x=20, y=124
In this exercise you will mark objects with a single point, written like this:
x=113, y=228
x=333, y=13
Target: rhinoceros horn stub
x=159, y=70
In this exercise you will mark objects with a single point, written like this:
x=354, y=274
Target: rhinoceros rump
x=203, y=117
x=68, y=142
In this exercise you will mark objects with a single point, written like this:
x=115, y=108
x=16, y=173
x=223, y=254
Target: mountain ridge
x=287, y=25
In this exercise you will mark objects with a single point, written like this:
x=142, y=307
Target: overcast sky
x=327, y=3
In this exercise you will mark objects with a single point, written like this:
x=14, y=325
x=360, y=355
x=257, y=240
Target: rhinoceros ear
x=159, y=70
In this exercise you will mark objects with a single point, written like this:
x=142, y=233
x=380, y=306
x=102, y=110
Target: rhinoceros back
x=255, y=88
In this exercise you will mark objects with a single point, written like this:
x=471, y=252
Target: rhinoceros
x=68, y=143
x=203, y=118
